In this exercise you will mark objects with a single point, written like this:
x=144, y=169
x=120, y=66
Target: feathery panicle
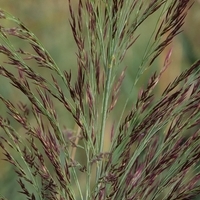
x=153, y=148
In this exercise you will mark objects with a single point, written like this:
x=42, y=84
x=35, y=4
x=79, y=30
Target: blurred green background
x=48, y=20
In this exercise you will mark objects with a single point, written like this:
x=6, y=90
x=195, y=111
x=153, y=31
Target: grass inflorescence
x=154, y=145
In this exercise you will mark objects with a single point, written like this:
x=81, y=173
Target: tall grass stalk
x=154, y=146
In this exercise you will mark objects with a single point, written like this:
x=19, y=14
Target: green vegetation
x=89, y=132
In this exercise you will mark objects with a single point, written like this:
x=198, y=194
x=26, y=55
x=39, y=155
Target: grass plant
x=154, y=145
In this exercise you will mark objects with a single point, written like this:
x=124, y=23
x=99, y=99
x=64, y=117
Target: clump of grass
x=149, y=156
